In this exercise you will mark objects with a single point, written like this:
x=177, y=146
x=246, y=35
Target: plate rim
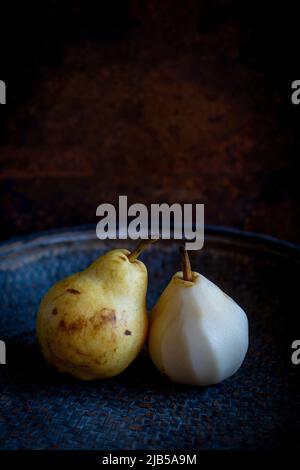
x=19, y=244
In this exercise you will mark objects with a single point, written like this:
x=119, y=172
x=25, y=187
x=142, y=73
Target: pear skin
x=94, y=323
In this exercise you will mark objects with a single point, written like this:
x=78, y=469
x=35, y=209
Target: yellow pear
x=94, y=323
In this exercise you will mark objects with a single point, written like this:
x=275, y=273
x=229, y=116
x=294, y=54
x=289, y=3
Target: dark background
x=165, y=101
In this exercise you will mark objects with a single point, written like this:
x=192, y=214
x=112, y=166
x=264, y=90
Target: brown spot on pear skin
x=62, y=325
x=54, y=311
x=105, y=316
x=108, y=315
x=127, y=332
x=73, y=291
x=72, y=327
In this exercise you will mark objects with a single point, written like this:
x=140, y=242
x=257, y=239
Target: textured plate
x=257, y=408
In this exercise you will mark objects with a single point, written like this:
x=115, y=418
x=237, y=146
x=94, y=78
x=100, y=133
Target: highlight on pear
x=94, y=323
x=198, y=334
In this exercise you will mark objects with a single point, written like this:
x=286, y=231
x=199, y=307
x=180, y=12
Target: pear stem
x=143, y=244
x=186, y=265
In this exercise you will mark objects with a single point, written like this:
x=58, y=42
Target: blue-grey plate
x=258, y=408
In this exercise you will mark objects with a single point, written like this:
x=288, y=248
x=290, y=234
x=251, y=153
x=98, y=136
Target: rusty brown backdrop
x=165, y=101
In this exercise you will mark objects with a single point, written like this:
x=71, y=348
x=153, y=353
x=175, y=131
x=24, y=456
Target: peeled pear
x=94, y=323
x=198, y=334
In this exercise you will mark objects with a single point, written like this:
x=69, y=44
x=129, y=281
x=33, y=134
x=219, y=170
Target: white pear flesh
x=198, y=334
